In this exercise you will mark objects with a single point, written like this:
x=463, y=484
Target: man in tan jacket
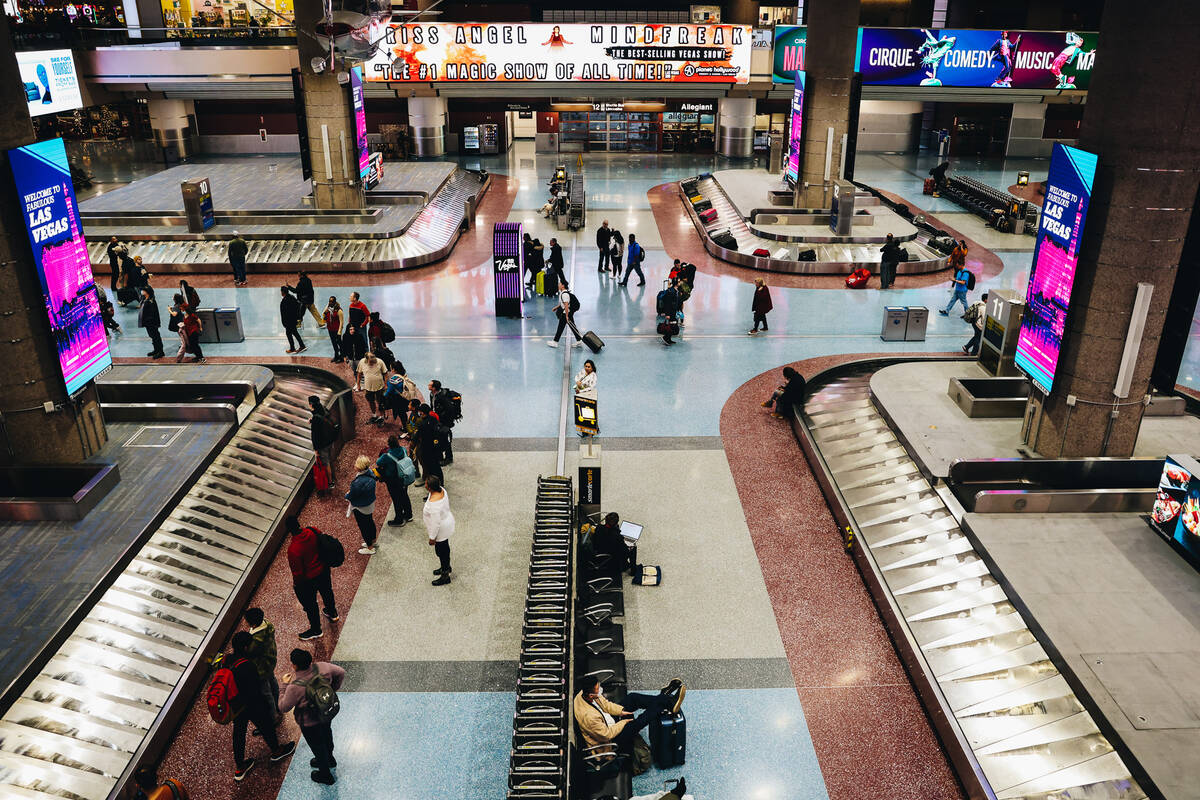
x=604, y=722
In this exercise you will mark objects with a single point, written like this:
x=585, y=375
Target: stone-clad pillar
x=1141, y=120
x=327, y=103
x=829, y=60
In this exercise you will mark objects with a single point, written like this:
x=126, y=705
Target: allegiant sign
x=537, y=52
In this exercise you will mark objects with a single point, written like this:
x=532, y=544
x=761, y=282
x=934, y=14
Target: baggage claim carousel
x=128, y=649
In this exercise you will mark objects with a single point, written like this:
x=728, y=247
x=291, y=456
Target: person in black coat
x=527, y=259
x=289, y=314
x=612, y=555
x=603, y=244
x=554, y=264
x=306, y=296
x=353, y=347
x=887, y=264
x=789, y=396
x=324, y=434
x=115, y=251
x=151, y=320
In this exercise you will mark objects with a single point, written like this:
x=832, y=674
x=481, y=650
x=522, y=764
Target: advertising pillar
x=508, y=260
x=832, y=39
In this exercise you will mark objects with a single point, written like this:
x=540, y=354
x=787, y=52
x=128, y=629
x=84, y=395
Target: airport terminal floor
x=794, y=690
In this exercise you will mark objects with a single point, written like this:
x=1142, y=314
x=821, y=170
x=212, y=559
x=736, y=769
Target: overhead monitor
x=43, y=181
x=49, y=80
x=1055, y=255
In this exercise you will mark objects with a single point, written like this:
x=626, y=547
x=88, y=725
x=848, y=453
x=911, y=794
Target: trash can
x=918, y=321
x=229, y=324
x=895, y=321
x=208, y=322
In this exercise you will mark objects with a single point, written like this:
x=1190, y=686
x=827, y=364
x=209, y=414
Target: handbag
x=320, y=475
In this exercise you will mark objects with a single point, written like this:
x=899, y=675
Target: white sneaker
x=576, y=344
x=552, y=343
x=367, y=551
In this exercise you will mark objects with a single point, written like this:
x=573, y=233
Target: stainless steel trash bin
x=895, y=321
x=229, y=324
x=208, y=321
x=918, y=321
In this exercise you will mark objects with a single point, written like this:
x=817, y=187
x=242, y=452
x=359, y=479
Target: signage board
x=791, y=42
x=207, y=217
x=47, y=198
x=302, y=124
x=586, y=418
x=795, y=151
x=1055, y=255
x=589, y=485
x=542, y=52
x=49, y=80
x=360, y=124
x=975, y=58
x=508, y=259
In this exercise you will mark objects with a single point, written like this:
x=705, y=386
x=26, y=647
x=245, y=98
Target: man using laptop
x=611, y=549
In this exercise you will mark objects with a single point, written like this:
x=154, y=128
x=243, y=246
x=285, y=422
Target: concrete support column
x=173, y=124
x=29, y=370
x=1141, y=121
x=832, y=42
x=1025, y=132
x=427, y=121
x=735, y=126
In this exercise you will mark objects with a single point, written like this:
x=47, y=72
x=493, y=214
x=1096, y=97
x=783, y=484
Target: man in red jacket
x=309, y=576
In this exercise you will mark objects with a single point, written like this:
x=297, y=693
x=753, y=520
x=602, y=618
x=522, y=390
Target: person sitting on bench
x=604, y=722
x=608, y=542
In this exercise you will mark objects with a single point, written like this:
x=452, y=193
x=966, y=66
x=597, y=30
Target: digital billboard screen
x=976, y=58
x=1055, y=255
x=43, y=180
x=1176, y=512
x=49, y=80
x=537, y=52
x=791, y=43
x=360, y=123
x=795, y=132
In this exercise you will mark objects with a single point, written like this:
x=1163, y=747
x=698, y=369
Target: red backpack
x=222, y=691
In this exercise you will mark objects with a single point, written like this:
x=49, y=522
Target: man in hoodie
x=263, y=654
x=306, y=296
x=634, y=256
x=310, y=576
x=318, y=733
x=237, y=258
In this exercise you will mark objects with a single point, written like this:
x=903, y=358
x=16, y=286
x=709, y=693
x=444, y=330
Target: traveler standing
x=439, y=525
x=634, y=256
x=554, y=264
x=263, y=654
x=527, y=259
x=306, y=296
x=324, y=433
x=568, y=304
x=429, y=443
x=310, y=576
x=237, y=258
x=250, y=706
x=358, y=316
x=354, y=347
x=371, y=377
x=362, y=504
x=289, y=315
x=888, y=262
x=191, y=327
x=115, y=251
x=539, y=261
x=977, y=316
x=616, y=251
x=315, y=722
x=151, y=320
x=442, y=401
x=603, y=244
x=397, y=472
x=760, y=305
x=178, y=311
x=333, y=326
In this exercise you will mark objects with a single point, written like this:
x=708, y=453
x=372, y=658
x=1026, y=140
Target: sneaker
x=752, y=333
x=397, y=523
x=239, y=773
x=322, y=777
x=302, y=348
x=311, y=633
x=332, y=615
x=283, y=752
x=552, y=343
x=944, y=312
x=576, y=344
x=290, y=350
x=442, y=581
x=332, y=762
x=199, y=360
x=367, y=551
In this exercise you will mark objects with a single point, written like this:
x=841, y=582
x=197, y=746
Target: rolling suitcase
x=703, y=205
x=540, y=283
x=593, y=342
x=549, y=284
x=807, y=255
x=708, y=216
x=762, y=252
x=858, y=279
x=668, y=740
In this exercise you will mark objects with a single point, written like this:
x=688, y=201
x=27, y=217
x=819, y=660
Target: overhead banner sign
x=1055, y=255
x=43, y=181
x=791, y=42
x=49, y=80
x=537, y=52
x=976, y=58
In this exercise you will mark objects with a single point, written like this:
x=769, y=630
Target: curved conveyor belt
x=1022, y=731
x=77, y=726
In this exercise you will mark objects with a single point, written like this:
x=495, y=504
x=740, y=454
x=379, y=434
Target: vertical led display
x=795, y=133
x=43, y=180
x=360, y=123
x=1176, y=512
x=508, y=259
x=1055, y=255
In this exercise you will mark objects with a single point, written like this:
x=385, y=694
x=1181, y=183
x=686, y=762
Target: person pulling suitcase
x=568, y=304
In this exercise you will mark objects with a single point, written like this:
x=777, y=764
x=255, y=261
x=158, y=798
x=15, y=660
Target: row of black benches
x=984, y=200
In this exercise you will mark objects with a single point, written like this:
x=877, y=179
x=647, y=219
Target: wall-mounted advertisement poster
x=1055, y=255
x=791, y=43
x=537, y=52
x=49, y=80
x=976, y=58
x=795, y=132
x=360, y=123
x=43, y=181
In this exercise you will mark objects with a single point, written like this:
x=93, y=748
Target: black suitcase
x=593, y=342
x=807, y=255
x=668, y=740
x=703, y=205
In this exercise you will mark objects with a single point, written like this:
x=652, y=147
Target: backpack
x=192, y=297
x=411, y=392
x=407, y=474
x=685, y=289
x=971, y=314
x=329, y=550
x=320, y=698
x=386, y=332
x=574, y=303
x=222, y=691
x=970, y=280
x=454, y=404
x=665, y=303
x=641, y=254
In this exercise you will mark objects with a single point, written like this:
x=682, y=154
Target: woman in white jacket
x=439, y=524
x=585, y=380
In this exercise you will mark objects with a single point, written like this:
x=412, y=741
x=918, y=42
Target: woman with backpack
x=312, y=691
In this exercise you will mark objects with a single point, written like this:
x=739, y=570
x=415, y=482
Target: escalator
x=80, y=723
x=1008, y=718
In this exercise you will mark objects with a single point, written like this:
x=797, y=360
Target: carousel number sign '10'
x=537, y=52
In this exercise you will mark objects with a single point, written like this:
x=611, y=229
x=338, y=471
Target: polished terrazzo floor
x=795, y=690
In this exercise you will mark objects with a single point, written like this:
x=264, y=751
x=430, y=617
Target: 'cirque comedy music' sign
x=536, y=52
